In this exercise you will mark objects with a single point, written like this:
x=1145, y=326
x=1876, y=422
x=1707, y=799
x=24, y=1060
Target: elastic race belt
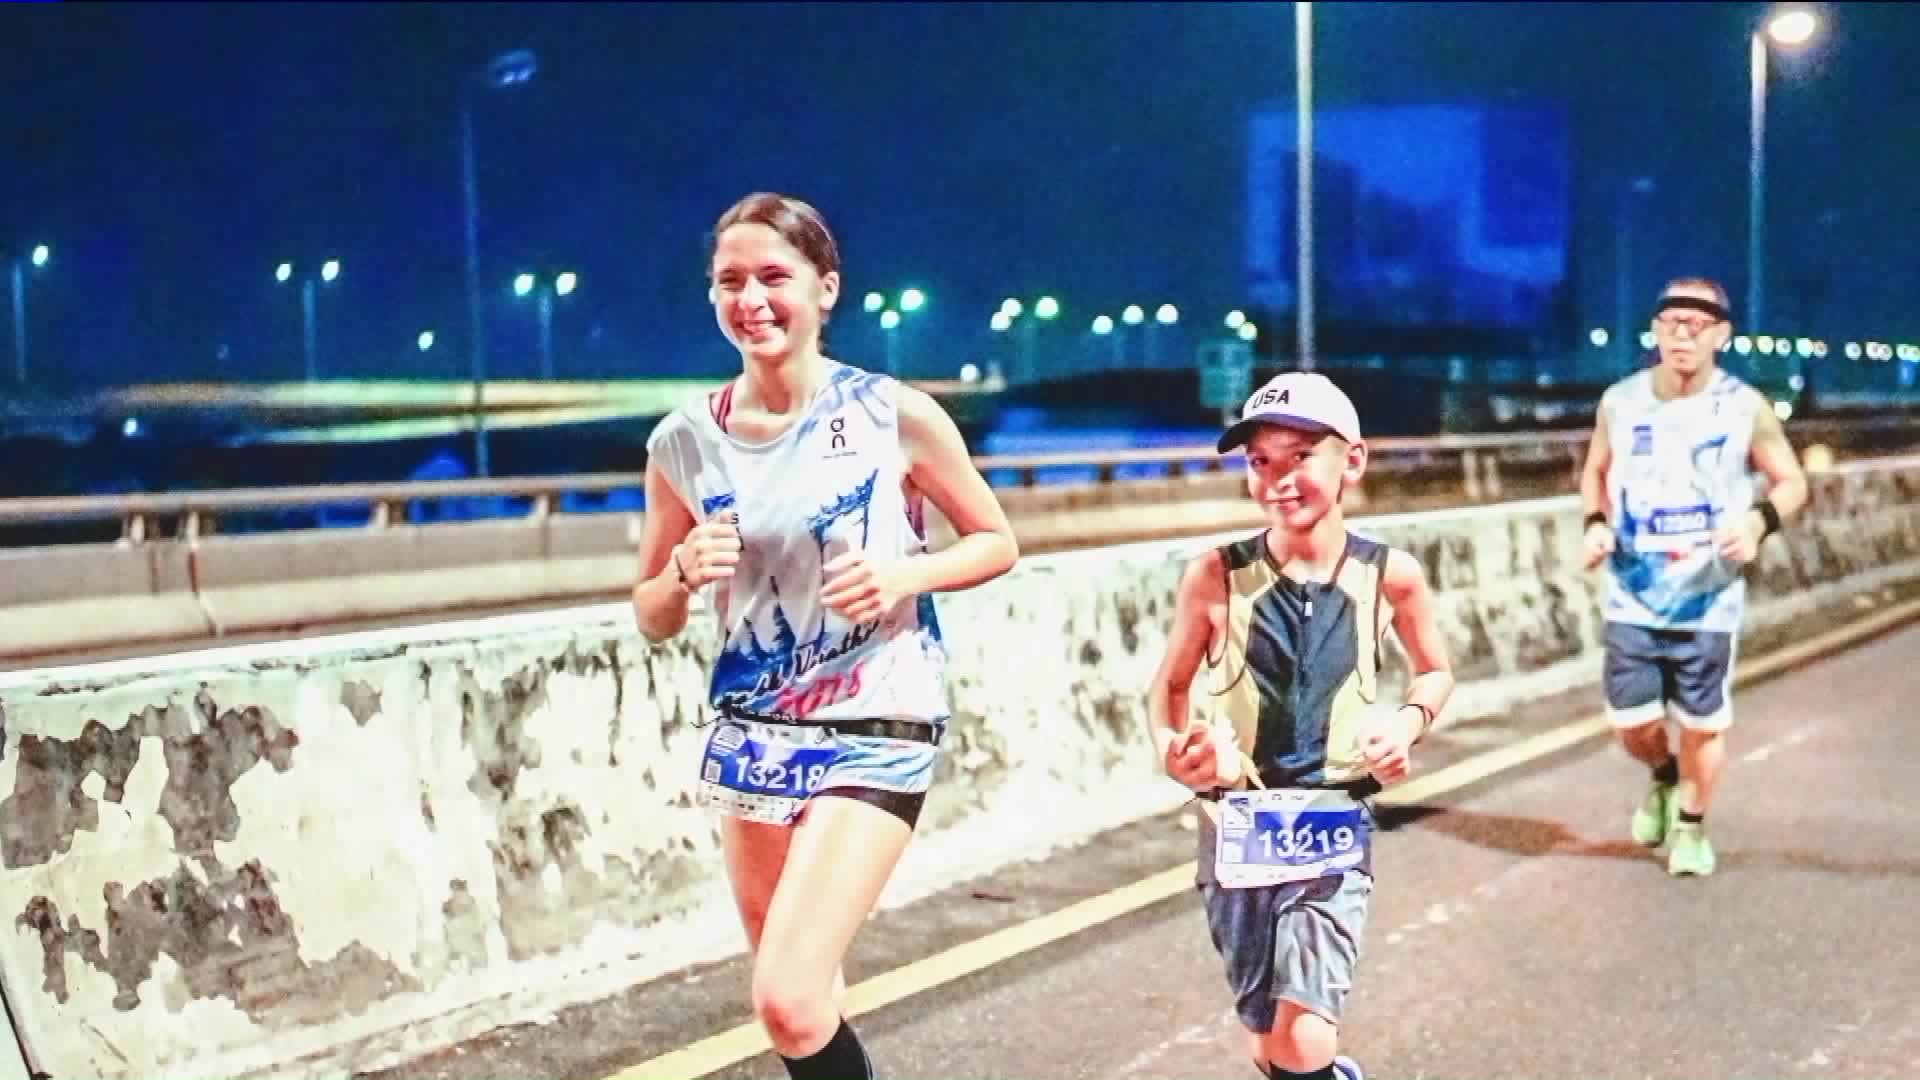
x=880, y=727
x=1355, y=790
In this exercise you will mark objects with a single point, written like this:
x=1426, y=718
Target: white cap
x=1302, y=400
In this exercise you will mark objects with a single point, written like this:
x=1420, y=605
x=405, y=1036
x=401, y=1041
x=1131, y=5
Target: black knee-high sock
x=1275, y=1072
x=843, y=1058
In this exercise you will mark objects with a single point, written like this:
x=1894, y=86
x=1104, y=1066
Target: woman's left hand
x=861, y=590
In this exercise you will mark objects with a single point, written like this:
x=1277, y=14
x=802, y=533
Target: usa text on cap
x=1302, y=400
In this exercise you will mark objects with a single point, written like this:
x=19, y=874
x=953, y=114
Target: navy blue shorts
x=1685, y=675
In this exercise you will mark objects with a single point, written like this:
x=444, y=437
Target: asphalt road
x=1516, y=932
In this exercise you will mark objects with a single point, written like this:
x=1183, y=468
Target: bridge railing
x=144, y=516
x=1473, y=461
x=184, y=566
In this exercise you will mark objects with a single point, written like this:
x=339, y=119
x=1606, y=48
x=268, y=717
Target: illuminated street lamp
x=560, y=284
x=1789, y=28
x=503, y=72
x=309, y=284
x=38, y=258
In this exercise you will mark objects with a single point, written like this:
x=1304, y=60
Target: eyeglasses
x=1691, y=327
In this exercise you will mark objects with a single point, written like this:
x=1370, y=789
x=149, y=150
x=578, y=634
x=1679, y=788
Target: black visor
x=1694, y=303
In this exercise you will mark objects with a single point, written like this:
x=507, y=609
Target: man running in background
x=1671, y=505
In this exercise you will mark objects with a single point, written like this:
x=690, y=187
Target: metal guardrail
x=195, y=508
x=248, y=562
x=198, y=511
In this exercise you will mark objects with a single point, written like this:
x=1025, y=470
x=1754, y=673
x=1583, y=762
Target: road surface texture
x=1516, y=931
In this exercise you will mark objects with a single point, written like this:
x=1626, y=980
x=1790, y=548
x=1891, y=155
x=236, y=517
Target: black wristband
x=1769, y=515
x=1595, y=518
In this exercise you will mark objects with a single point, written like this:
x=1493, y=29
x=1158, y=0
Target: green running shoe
x=1656, y=816
x=1692, y=852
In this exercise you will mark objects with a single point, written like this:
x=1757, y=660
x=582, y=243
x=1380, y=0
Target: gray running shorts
x=1298, y=943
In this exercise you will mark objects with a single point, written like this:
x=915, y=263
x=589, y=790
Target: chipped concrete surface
x=297, y=859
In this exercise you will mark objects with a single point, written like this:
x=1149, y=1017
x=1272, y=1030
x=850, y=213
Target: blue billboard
x=1453, y=215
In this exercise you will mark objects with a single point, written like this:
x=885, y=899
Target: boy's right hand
x=1193, y=759
x=710, y=552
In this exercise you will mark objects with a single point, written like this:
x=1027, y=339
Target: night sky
x=172, y=154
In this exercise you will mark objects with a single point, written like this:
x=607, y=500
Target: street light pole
x=39, y=256
x=503, y=71
x=309, y=337
x=1303, y=226
x=1790, y=28
x=1756, y=181
x=310, y=282
x=546, y=334
x=476, y=329
x=545, y=291
x=19, y=323
x=1627, y=344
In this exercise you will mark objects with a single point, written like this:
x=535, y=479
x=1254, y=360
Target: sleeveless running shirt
x=1680, y=470
x=831, y=483
x=1300, y=663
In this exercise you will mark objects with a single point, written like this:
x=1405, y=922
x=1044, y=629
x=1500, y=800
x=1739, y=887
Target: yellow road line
x=745, y=1041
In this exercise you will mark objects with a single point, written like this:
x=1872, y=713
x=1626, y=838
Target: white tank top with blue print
x=831, y=483
x=1680, y=470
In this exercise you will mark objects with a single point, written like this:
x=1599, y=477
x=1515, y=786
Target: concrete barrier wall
x=262, y=582
x=61, y=598
x=314, y=857
x=80, y=597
